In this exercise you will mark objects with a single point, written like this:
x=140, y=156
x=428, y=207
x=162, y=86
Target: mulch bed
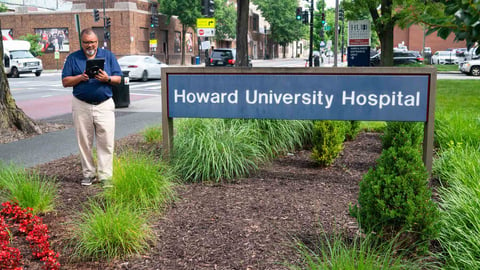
x=248, y=224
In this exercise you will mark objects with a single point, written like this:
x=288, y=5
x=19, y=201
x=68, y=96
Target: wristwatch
x=109, y=80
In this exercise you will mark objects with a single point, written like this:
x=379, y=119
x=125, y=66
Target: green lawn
x=446, y=67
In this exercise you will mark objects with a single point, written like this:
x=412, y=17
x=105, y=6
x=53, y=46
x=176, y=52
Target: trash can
x=197, y=60
x=316, y=60
x=192, y=60
x=121, y=92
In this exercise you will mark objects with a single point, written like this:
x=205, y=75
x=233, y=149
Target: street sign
x=206, y=32
x=359, y=33
x=153, y=43
x=57, y=55
x=358, y=56
x=205, y=45
x=205, y=22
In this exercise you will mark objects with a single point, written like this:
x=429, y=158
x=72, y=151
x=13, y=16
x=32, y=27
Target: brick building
x=413, y=38
x=130, y=30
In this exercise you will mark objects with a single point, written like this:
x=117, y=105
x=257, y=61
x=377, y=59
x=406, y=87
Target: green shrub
x=278, y=136
x=141, y=181
x=29, y=189
x=337, y=251
x=402, y=133
x=111, y=231
x=460, y=229
x=352, y=128
x=211, y=149
x=153, y=134
x=395, y=197
x=327, y=141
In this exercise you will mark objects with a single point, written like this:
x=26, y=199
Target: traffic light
x=107, y=35
x=108, y=22
x=154, y=21
x=96, y=14
x=305, y=17
x=208, y=8
x=211, y=8
x=152, y=35
x=299, y=13
x=323, y=18
x=340, y=15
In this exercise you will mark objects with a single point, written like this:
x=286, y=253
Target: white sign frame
x=359, y=33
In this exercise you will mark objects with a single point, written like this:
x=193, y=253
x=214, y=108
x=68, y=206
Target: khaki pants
x=95, y=122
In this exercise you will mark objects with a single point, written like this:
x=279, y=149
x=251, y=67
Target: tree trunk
x=10, y=115
x=242, y=32
x=386, y=44
x=386, y=33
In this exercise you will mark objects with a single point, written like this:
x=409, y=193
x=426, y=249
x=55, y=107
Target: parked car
x=460, y=52
x=141, y=67
x=224, y=57
x=399, y=58
x=444, y=57
x=471, y=67
x=374, y=58
x=408, y=57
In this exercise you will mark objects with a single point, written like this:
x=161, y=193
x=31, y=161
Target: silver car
x=141, y=67
x=471, y=67
x=444, y=57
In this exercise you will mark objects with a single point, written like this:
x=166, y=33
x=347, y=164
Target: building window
x=255, y=20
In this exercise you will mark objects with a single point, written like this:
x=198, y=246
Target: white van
x=17, y=59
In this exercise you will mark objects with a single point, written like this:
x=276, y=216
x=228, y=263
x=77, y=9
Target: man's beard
x=90, y=52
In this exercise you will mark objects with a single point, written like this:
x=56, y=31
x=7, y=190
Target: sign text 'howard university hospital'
x=376, y=97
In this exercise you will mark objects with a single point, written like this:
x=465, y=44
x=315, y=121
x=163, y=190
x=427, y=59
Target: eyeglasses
x=89, y=42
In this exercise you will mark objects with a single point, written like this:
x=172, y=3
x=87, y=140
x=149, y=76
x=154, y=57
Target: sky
x=331, y=3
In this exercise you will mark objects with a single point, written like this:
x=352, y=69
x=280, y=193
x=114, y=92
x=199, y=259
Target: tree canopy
x=284, y=28
x=445, y=17
x=226, y=18
x=34, y=40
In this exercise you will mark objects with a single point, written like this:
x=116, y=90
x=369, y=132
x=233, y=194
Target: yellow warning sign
x=205, y=22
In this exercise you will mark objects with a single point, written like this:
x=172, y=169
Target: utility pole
x=342, y=30
x=104, y=26
x=335, y=46
x=310, y=60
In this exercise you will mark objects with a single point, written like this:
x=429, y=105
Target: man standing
x=93, y=107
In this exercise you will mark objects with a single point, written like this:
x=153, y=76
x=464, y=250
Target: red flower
x=37, y=236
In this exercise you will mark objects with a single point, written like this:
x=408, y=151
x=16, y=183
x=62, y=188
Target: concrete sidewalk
x=54, y=145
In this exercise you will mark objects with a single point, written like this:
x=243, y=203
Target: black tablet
x=93, y=66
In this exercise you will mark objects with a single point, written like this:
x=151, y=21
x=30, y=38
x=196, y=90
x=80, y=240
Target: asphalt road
x=44, y=98
x=54, y=145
